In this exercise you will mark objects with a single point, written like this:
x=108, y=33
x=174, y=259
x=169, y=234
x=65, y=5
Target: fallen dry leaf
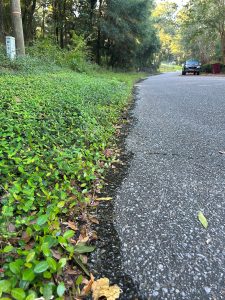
x=56, y=254
x=87, y=288
x=93, y=219
x=70, y=272
x=72, y=225
x=108, y=152
x=101, y=288
x=11, y=227
x=94, y=235
x=83, y=239
x=84, y=259
x=104, y=199
x=26, y=237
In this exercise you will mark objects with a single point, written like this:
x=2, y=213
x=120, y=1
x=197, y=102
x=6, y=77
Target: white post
x=11, y=47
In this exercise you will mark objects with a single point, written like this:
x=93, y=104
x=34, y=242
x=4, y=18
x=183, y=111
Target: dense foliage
x=117, y=32
x=55, y=128
x=203, y=29
x=165, y=15
x=195, y=30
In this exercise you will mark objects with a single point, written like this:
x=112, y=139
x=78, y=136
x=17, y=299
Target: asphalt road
x=175, y=172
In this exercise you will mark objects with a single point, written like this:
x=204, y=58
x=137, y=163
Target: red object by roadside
x=216, y=68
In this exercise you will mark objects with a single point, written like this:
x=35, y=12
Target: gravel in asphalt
x=176, y=171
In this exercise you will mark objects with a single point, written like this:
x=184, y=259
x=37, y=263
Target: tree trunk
x=98, y=48
x=43, y=22
x=18, y=26
x=2, y=35
x=28, y=19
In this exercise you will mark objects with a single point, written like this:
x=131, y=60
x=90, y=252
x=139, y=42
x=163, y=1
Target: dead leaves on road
x=104, y=199
x=101, y=289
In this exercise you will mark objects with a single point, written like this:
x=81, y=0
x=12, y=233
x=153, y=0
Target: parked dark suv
x=191, y=66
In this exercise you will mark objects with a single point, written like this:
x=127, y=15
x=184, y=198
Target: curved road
x=176, y=171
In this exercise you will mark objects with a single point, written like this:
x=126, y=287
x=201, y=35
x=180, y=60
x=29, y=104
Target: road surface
x=176, y=171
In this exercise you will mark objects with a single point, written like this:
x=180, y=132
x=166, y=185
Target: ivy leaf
x=8, y=249
x=18, y=294
x=61, y=289
x=45, y=249
x=42, y=220
x=31, y=297
x=41, y=267
x=28, y=275
x=79, y=280
x=62, y=262
x=82, y=248
x=52, y=263
x=203, y=220
x=68, y=234
x=15, y=267
x=47, y=291
x=30, y=256
x=5, y=286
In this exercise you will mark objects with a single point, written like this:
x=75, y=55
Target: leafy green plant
x=54, y=130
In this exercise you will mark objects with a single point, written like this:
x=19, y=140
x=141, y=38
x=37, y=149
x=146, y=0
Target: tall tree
x=207, y=17
x=28, y=10
x=18, y=26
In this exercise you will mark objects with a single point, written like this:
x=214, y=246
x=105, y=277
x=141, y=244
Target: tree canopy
x=118, y=33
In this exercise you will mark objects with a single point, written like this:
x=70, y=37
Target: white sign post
x=11, y=47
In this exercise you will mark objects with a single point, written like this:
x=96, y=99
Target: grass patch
x=55, y=128
x=165, y=67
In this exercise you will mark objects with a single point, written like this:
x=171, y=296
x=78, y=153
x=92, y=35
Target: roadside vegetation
x=60, y=105
x=58, y=117
x=193, y=31
x=166, y=67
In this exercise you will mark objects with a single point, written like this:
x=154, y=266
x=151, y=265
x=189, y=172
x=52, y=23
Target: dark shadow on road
x=107, y=259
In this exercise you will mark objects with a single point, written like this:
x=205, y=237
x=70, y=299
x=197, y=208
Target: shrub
x=45, y=55
x=206, y=68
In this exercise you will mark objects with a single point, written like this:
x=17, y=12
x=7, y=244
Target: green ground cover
x=54, y=132
x=165, y=67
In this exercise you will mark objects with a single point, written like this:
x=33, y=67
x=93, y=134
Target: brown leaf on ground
x=93, y=219
x=83, y=239
x=26, y=237
x=101, y=288
x=87, y=288
x=29, y=246
x=11, y=227
x=84, y=259
x=72, y=225
x=94, y=235
x=104, y=199
x=83, y=231
x=71, y=272
x=108, y=152
x=56, y=254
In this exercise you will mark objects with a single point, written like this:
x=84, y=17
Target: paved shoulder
x=175, y=172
